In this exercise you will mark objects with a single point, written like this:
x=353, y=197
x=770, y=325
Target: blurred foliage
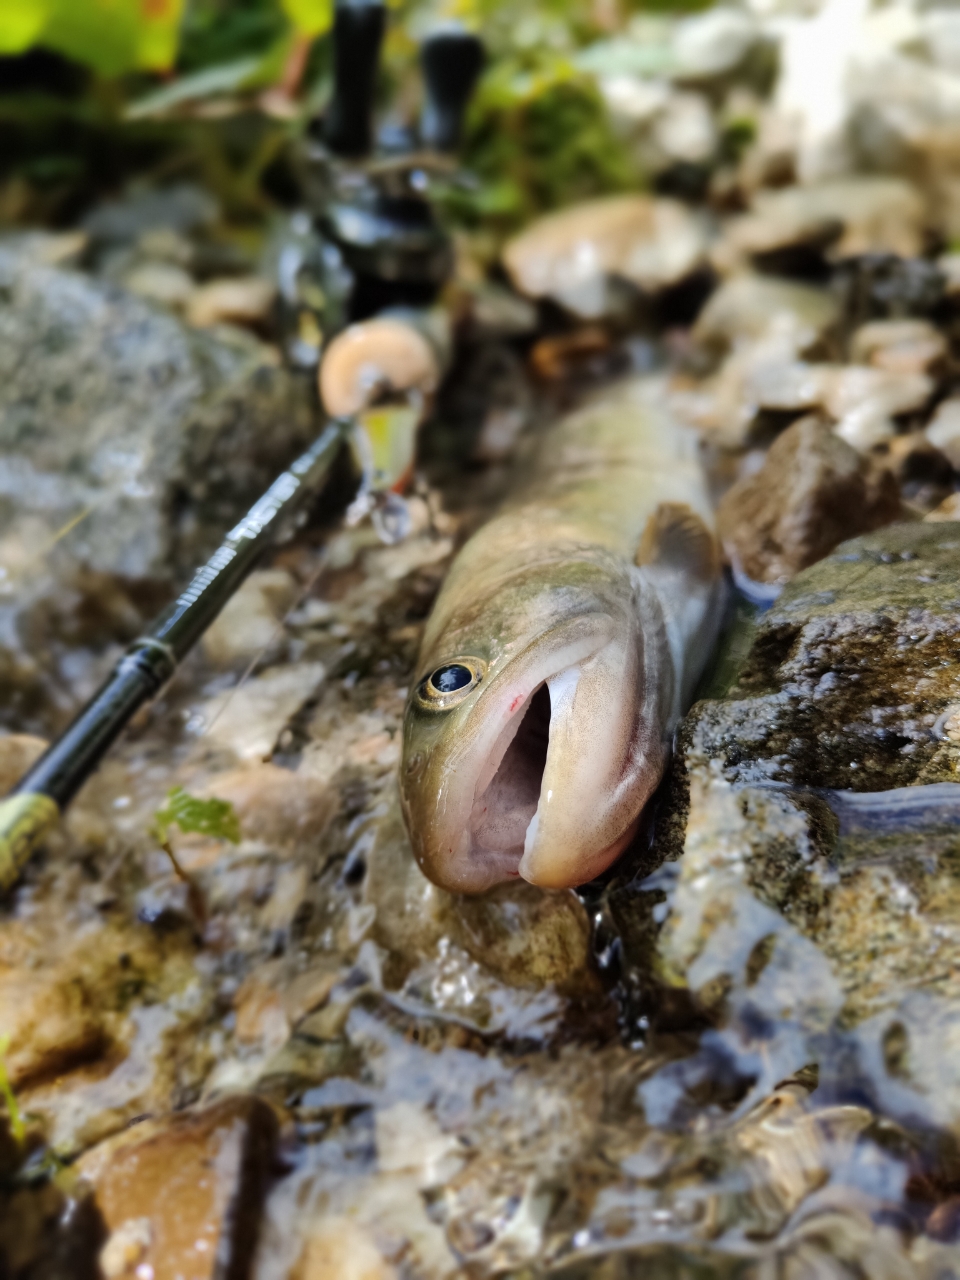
x=111, y=36
x=537, y=139
x=94, y=93
x=116, y=36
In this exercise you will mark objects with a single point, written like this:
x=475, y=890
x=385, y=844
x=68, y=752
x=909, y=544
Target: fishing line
x=280, y=626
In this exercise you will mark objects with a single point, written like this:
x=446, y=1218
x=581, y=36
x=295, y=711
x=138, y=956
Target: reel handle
x=452, y=59
x=358, y=28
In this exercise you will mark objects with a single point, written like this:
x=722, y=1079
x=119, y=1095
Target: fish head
x=531, y=739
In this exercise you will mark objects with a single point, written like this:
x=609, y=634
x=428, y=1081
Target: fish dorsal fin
x=677, y=538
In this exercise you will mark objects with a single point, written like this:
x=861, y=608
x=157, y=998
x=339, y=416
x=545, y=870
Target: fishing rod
x=39, y=798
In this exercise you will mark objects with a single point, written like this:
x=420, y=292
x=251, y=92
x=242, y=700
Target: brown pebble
x=899, y=346
x=948, y=510
x=244, y=300
x=339, y=1249
x=275, y=805
x=812, y=492
x=18, y=751
x=182, y=1197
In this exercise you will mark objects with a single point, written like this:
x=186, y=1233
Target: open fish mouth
x=504, y=813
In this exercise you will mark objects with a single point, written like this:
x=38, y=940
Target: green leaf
x=21, y=21
x=310, y=17
x=211, y=817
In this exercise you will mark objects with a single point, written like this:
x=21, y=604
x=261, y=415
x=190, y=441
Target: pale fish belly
x=560, y=654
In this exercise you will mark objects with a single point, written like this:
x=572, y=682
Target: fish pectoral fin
x=675, y=537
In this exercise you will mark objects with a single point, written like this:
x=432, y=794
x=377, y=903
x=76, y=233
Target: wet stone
x=130, y=444
x=811, y=493
x=576, y=256
x=18, y=751
x=845, y=217
x=850, y=670
x=943, y=430
x=183, y=1196
x=251, y=620
x=850, y=676
x=749, y=307
x=900, y=346
x=199, y=424
x=246, y=301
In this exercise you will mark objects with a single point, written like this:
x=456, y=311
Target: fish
x=561, y=652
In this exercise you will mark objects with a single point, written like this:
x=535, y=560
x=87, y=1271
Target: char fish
x=562, y=650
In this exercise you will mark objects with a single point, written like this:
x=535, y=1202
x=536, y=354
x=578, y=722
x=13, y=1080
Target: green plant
x=211, y=817
x=113, y=37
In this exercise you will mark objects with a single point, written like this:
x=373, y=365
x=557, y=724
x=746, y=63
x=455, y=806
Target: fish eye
x=451, y=683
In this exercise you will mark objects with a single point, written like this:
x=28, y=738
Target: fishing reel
x=371, y=239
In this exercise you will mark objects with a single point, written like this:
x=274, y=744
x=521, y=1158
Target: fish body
x=561, y=652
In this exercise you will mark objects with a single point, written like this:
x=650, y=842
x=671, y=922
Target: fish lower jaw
x=548, y=870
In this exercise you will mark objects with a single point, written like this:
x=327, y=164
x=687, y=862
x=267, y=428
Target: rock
x=785, y=386
x=338, y=1249
x=86, y=1058
x=924, y=474
x=507, y=948
x=949, y=267
x=747, y=308
x=948, y=510
x=848, y=217
x=114, y=413
x=764, y=375
x=181, y=1197
x=18, y=751
x=162, y=282
x=275, y=805
x=246, y=300
x=48, y=249
x=828, y=923
x=572, y=255
x=409, y=1139
x=850, y=670
x=684, y=131
x=882, y=286
x=248, y=720
x=181, y=208
x=900, y=346
x=857, y=388
x=943, y=430
x=47, y=1231
x=812, y=492
x=866, y=428
x=49, y=1012
x=711, y=45
x=251, y=619
x=527, y=937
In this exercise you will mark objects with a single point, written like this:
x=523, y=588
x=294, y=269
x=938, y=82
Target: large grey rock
x=808, y=940
x=850, y=671
x=160, y=435
x=129, y=444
